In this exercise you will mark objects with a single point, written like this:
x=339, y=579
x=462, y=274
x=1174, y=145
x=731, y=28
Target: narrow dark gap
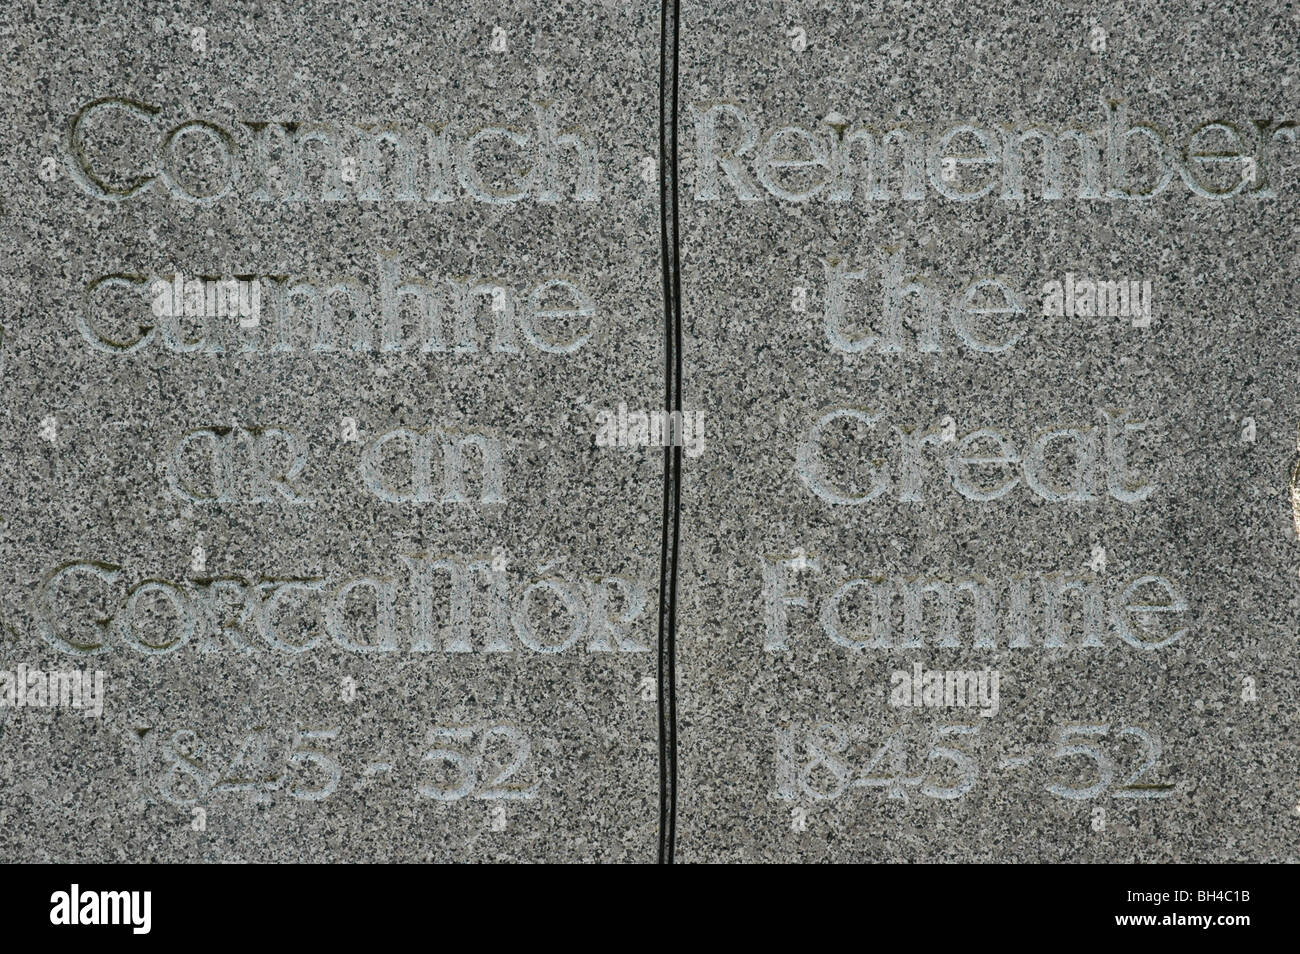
x=669, y=21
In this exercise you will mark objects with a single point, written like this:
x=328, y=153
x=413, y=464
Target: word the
x=946, y=689
x=980, y=314
x=622, y=428
x=987, y=315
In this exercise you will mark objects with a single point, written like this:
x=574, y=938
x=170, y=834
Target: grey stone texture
x=365, y=582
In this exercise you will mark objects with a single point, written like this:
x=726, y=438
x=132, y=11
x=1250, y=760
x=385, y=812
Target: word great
x=983, y=465
x=292, y=162
x=1118, y=161
x=442, y=604
x=399, y=314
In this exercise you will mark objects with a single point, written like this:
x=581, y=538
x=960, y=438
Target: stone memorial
x=620, y=431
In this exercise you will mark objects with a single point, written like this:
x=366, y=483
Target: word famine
x=289, y=162
x=1053, y=611
x=400, y=313
x=1118, y=160
x=440, y=604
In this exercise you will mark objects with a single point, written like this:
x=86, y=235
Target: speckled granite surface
x=329, y=333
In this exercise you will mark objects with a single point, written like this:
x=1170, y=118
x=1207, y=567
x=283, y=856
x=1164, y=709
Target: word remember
x=1117, y=161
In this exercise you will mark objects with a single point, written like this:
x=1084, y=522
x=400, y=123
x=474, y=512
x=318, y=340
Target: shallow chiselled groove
x=669, y=20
